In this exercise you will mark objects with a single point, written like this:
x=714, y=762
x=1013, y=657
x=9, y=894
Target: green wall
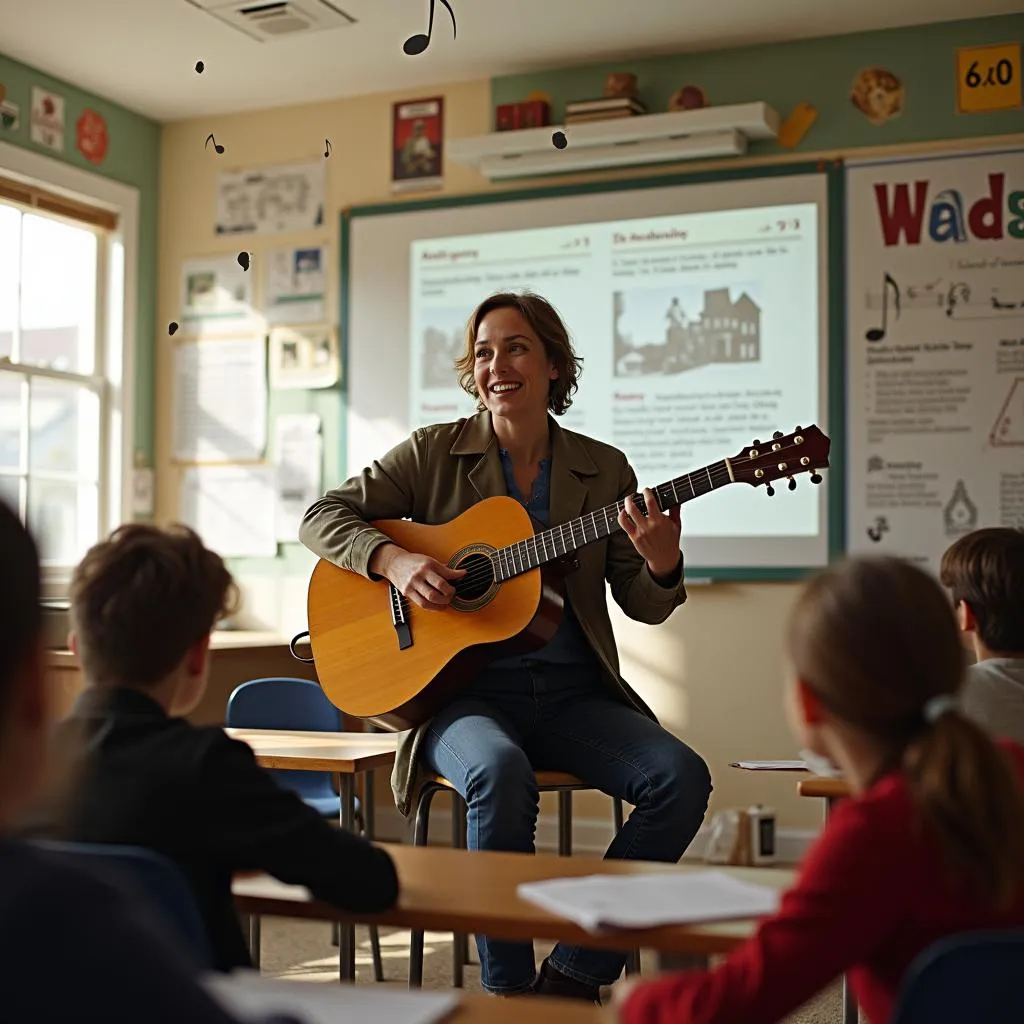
x=133, y=158
x=818, y=71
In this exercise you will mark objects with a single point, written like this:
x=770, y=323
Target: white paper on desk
x=771, y=766
x=250, y=997
x=298, y=458
x=220, y=400
x=231, y=508
x=599, y=902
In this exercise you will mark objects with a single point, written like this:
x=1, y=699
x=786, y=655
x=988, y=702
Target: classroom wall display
x=47, y=119
x=701, y=305
x=935, y=351
x=269, y=200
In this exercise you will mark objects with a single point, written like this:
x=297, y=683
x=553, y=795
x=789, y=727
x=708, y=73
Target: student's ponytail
x=969, y=797
x=876, y=639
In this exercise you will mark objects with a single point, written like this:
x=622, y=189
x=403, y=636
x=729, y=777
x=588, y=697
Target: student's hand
x=655, y=536
x=422, y=579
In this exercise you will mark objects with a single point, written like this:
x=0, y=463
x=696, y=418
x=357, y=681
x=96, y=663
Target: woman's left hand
x=655, y=536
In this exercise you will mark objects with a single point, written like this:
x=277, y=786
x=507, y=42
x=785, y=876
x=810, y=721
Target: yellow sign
x=988, y=78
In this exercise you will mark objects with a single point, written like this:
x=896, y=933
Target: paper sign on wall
x=47, y=119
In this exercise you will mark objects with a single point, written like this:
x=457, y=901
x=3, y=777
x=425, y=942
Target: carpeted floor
x=302, y=951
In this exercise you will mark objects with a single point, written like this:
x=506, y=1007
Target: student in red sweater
x=931, y=841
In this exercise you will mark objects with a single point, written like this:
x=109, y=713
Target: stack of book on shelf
x=603, y=109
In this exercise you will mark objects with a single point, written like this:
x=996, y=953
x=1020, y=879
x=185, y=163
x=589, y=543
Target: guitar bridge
x=400, y=617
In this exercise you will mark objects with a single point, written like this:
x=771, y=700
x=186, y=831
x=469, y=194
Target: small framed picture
x=304, y=357
x=417, y=145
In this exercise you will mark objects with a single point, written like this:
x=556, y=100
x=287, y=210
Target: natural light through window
x=53, y=394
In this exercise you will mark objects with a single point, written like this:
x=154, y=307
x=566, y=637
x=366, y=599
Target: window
x=55, y=390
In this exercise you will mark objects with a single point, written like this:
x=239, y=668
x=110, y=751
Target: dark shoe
x=552, y=982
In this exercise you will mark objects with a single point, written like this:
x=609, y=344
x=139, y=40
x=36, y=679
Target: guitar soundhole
x=478, y=580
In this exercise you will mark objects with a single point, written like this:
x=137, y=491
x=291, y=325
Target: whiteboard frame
x=832, y=354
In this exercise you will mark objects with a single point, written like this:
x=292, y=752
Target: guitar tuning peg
x=757, y=443
x=771, y=491
x=799, y=429
x=792, y=484
x=777, y=435
x=815, y=478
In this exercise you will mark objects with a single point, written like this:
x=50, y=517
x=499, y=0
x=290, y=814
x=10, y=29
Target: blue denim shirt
x=568, y=646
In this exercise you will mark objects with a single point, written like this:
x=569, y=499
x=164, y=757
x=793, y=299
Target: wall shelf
x=618, y=142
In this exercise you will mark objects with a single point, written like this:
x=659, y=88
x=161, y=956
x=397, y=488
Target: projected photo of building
x=443, y=336
x=656, y=333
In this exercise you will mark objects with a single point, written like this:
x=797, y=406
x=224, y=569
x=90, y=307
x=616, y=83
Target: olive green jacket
x=442, y=470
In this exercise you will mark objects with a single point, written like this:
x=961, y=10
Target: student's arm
x=254, y=824
x=835, y=915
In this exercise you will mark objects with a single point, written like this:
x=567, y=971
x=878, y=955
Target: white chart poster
x=295, y=285
x=231, y=508
x=935, y=351
x=220, y=400
x=268, y=200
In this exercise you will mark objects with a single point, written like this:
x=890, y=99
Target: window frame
x=117, y=269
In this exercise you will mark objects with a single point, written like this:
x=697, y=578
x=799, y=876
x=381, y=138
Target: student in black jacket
x=143, y=603
x=73, y=948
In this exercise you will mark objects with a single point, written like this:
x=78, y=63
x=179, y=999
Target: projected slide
x=699, y=333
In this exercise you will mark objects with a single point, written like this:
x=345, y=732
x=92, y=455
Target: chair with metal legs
x=429, y=786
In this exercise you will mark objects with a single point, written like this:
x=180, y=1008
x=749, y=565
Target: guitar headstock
x=785, y=455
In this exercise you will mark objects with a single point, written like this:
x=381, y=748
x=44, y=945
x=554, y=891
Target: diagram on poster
x=1009, y=426
x=935, y=354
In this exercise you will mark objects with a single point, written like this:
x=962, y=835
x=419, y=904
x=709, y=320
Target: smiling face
x=511, y=369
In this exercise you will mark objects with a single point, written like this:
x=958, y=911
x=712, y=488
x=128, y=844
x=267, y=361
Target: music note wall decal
x=416, y=44
x=878, y=333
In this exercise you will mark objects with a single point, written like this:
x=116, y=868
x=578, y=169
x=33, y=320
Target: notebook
x=259, y=1000
x=601, y=902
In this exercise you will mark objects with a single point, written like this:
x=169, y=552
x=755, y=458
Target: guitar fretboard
x=560, y=541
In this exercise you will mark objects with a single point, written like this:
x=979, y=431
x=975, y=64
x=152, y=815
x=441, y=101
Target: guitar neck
x=559, y=541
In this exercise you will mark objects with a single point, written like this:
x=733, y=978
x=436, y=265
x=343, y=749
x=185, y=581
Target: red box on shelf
x=531, y=114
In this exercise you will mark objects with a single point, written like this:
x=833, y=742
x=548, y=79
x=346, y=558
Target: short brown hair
x=141, y=598
x=876, y=639
x=545, y=322
x=985, y=570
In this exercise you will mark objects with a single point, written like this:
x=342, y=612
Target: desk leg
x=850, y=1013
x=347, y=943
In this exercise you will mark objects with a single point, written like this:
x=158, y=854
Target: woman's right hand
x=420, y=578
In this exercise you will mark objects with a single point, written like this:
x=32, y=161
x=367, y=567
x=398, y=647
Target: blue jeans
x=560, y=718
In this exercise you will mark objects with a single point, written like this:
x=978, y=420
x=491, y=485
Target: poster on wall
x=304, y=357
x=295, y=285
x=216, y=297
x=417, y=145
x=47, y=119
x=268, y=200
x=935, y=351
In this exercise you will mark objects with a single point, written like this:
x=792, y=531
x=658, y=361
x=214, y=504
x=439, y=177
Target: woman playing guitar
x=563, y=707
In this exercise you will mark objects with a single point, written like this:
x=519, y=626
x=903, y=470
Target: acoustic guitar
x=383, y=658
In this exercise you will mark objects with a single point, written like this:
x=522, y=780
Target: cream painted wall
x=713, y=672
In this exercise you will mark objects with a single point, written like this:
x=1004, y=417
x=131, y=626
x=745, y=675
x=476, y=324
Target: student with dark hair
x=112, y=964
x=143, y=604
x=930, y=843
x=984, y=572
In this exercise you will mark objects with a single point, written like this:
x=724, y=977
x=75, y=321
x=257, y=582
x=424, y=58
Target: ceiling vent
x=267, y=20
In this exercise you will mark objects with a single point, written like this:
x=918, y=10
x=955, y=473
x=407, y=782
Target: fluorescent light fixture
x=580, y=158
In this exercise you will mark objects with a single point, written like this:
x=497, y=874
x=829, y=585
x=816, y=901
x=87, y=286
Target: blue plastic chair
x=970, y=978
x=150, y=875
x=282, y=703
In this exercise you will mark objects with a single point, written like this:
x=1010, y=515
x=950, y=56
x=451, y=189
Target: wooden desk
x=827, y=789
x=484, y=1009
x=463, y=891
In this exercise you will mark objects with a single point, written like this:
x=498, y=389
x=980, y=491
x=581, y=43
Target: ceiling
x=141, y=53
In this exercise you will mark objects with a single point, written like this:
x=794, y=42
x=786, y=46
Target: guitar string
x=540, y=541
